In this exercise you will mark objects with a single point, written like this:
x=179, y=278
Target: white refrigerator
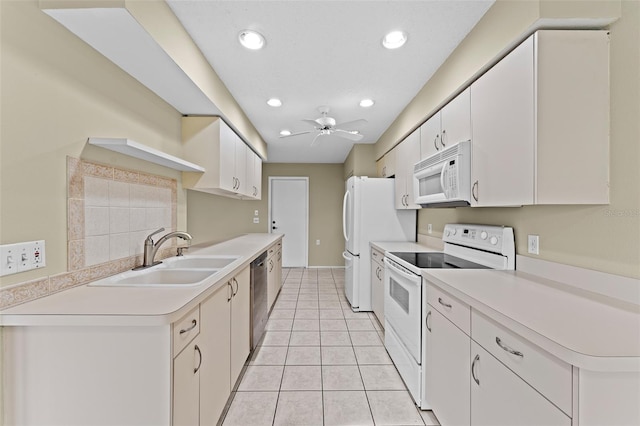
x=369, y=214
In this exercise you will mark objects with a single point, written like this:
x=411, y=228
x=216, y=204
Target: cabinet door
x=377, y=290
x=241, y=167
x=227, y=157
x=455, y=120
x=257, y=177
x=502, y=113
x=408, y=153
x=186, y=385
x=279, y=267
x=448, y=369
x=272, y=284
x=215, y=335
x=430, y=137
x=500, y=397
x=240, y=324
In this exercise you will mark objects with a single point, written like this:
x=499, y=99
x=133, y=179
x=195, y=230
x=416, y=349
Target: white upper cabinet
x=386, y=166
x=232, y=168
x=254, y=175
x=450, y=125
x=407, y=154
x=540, y=123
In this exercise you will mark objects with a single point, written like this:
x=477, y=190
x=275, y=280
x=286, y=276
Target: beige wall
x=56, y=92
x=604, y=238
x=214, y=218
x=361, y=161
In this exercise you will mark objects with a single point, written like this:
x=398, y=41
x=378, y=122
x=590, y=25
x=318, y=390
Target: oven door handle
x=412, y=277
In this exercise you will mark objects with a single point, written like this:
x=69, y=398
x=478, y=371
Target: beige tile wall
x=110, y=213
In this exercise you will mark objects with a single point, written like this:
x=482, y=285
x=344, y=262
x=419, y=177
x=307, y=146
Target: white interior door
x=289, y=215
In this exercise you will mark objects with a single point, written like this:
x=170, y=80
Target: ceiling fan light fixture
x=366, y=103
x=394, y=39
x=251, y=39
x=274, y=102
x=285, y=132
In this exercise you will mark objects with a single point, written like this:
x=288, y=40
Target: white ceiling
x=325, y=53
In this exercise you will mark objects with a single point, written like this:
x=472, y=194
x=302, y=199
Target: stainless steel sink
x=198, y=262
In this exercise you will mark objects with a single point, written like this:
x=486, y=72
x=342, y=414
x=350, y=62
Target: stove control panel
x=496, y=239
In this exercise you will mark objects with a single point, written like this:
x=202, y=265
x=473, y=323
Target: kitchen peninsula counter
x=137, y=306
x=583, y=328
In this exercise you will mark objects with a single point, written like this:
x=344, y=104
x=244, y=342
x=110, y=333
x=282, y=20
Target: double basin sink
x=182, y=271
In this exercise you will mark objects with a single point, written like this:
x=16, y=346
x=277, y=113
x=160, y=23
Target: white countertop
x=582, y=328
x=91, y=305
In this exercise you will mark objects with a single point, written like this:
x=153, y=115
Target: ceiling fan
x=325, y=125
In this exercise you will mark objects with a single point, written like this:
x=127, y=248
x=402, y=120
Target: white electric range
x=465, y=247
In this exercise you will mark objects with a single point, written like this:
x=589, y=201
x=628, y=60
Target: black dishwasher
x=259, y=311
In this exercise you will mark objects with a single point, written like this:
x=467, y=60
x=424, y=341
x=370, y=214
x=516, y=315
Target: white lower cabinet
x=186, y=385
x=240, y=323
x=377, y=284
x=465, y=384
x=500, y=397
x=274, y=273
x=447, y=370
x=207, y=369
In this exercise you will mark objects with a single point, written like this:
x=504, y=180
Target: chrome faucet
x=150, y=249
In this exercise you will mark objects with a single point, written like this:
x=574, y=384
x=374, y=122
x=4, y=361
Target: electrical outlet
x=533, y=244
x=256, y=219
x=317, y=242
x=429, y=228
x=255, y=213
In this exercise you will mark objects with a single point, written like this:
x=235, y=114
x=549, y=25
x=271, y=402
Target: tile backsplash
x=110, y=211
x=119, y=215
x=119, y=208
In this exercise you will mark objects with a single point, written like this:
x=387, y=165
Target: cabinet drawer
x=453, y=309
x=377, y=256
x=185, y=329
x=546, y=373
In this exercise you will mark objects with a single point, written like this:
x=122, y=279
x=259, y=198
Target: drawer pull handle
x=473, y=369
x=426, y=321
x=508, y=349
x=193, y=325
x=446, y=305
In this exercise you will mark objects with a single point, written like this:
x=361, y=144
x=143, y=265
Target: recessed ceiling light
x=366, y=103
x=274, y=102
x=285, y=133
x=394, y=39
x=251, y=39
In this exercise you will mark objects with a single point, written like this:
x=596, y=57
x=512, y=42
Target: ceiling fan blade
x=315, y=140
x=296, y=134
x=354, y=123
x=348, y=135
x=314, y=123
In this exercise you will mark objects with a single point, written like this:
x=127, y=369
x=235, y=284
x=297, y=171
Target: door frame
x=306, y=202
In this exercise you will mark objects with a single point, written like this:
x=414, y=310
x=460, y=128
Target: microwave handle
x=444, y=170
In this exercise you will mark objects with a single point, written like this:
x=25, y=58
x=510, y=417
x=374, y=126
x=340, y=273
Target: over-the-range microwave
x=444, y=179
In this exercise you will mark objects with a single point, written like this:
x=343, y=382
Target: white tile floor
x=320, y=363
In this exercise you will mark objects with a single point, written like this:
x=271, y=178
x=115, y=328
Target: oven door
x=403, y=306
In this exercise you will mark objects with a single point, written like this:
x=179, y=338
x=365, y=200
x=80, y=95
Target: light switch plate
x=22, y=257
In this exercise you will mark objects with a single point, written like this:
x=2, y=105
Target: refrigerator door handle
x=346, y=256
x=344, y=216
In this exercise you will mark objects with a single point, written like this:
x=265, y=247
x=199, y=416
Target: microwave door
x=431, y=183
